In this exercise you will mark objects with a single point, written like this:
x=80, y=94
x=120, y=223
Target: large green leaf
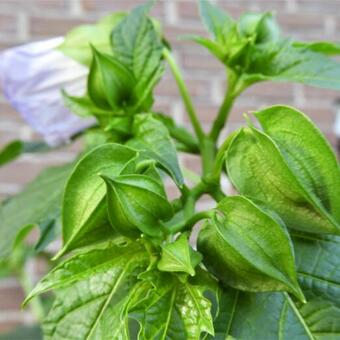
x=137, y=203
x=87, y=285
x=137, y=44
x=172, y=309
x=307, y=152
x=325, y=47
x=77, y=43
x=84, y=213
x=247, y=249
x=280, y=317
x=37, y=205
x=258, y=169
x=284, y=62
x=151, y=136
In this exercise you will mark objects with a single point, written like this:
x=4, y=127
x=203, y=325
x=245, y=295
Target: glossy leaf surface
x=84, y=207
x=172, y=310
x=110, y=83
x=137, y=203
x=259, y=170
x=247, y=249
x=307, y=152
x=87, y=284
x=151, y=136
x=137, y=45
x=179, y=257
x=280, y=316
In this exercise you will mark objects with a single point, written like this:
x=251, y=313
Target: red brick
x=11, y=298
x=188, y=10
x=50, y=27
x=118, y=5
x=8, y=24
x=8, y=326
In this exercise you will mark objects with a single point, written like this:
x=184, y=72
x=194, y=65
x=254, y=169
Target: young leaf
x=324, y=47
x=77, y=43
x=110, y=83
x=152, y=137
x=247, y=249
x=37, y=205
x=216, y=21
x=261, y=26
x=282, y=61
x=83, y=106
x=179, y=133
x=137, y=45
x=179, y=257
x=10, y=152
x=137, y=203
x=259, y=170
x=307, y=153
x=84, y=206
x=87, y=284
x=14, y=149
x=173, y=310
x=240, y=314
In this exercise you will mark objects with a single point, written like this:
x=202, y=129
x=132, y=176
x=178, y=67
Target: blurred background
x=23, y=21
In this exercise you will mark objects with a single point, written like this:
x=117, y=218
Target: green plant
x=267, y=260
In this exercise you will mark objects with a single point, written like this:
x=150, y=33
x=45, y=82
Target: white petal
x=32, y=76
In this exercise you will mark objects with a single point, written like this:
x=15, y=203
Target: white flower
x=32, y=77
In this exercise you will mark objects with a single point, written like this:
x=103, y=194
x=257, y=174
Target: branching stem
x=185, y=95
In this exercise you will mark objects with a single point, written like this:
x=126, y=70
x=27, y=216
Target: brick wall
x=30, y=20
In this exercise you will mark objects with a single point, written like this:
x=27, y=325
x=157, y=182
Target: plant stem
x=234, y=89
x=208, y=152
x=185, y=94
x=35, y=303
x=222, y=116
x=190, y=223
x=218, y=164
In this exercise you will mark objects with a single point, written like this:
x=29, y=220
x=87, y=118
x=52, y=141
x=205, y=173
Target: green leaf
x=37, y=205
x=14, y=149
x=179, y=133
x=324, y=47
x=110, y=83
x=247, y=249
x=173, y=309
x=307, y=152
x=283, y=62
x=216, y=21
x=240, y=314
x=262, y=26
x=152, y=137
x=77, y=43
x=179, y=257
x=258, y=169
x=83, y=106
x=137, y=203
x=84, y=213
x=10, y=152
x=137, y=45
x=86, y=286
